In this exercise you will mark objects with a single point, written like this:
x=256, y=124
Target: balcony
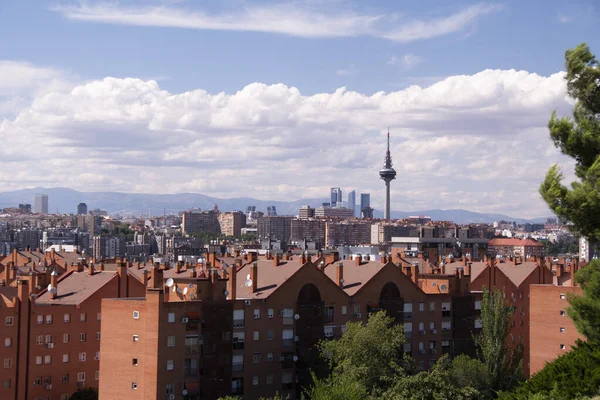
x=190, y=372
x=288, y=343
x=192, y=349
x=238, y=345
x=192, y=326
x=446, y=314
x=237, y=367
x=432, y=351
x=422, y=332
x=408, y=334
x=238, y=323
x=288, y=321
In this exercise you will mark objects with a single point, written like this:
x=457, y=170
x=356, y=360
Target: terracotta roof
x=75, y=287
x=517, y=273
x=269, y=278
x=477, y=268
x=514, y=242
x=355, y=276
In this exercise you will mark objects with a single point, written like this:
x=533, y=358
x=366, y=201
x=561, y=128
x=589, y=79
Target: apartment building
x=347, y=233
x=312, y=230
x=200, y=221
x=231, y=223
x=274, y=227
x=508, y=247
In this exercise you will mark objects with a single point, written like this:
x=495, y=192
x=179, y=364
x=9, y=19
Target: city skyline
x=472, y=134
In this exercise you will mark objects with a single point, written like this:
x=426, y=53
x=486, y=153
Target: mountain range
x=65, y=200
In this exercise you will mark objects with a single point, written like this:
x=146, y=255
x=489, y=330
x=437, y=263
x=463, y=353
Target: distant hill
x=65, y=200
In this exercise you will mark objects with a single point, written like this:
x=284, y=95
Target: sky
x=283, y=100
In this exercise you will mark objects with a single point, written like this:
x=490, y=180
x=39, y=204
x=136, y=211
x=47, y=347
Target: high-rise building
x=200, y=222
x=40, y=203
x=274, y=227
x=365, y=206
x=81, y=209
x=231, y=223
x=336, y=197
x=388, y=174
x=108, y=246
x=352, y=201
x=271, y=211
x=306, y=212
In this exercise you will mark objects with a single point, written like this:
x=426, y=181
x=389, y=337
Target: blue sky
x=279, y=100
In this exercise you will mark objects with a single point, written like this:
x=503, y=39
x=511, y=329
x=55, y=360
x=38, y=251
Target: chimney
x=276, y=260
x=139, y=265
x=156, y=278
x=303, y=258
x=23, y=290
x=468, y=268
x=339, y=274
x=54, y=284
x=145, y=277
x=384, y=259
x=14, y=256
x=231, y=283
x=102, y=266
x=91, y=269
x=193, y=273
x=560, y=270
x=358, y=259
x=212, y=259
x=573, y=271
x=308, y=258
x=236, y=253
x=460, y=273
x=254, y=277
x=443, y=269
x=178, y=267
x=414, y=272
x=122, y=272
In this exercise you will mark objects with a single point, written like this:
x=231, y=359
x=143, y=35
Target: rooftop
x=75, y=287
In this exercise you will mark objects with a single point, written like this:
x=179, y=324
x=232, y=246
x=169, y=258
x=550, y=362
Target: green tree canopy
x=87, y=393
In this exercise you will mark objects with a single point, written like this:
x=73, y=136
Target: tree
x=87, y=393
x=466, y=372
x=579, y=138
x=341, y=387
x=504, y=363
x=369, y=354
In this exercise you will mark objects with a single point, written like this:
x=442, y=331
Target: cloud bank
x=474, y=141
x=292, y=19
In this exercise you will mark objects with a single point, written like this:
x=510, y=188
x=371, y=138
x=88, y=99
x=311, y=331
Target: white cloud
x=407, y=61
x=564, y=18
x=475, y=141
x=351, y=70
x=295, y=19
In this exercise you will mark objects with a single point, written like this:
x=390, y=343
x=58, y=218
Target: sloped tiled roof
x=477, y=267
x=270, y=277
x=355, y=276
x=74, y=287
x=514, y=242
x=517, y=273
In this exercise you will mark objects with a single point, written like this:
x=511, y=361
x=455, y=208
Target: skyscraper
x=336, y=197
x=81, y=209
x=365, y=206
x=388, y=174
x=40, y=203
x=271, y=211
x=352, y=201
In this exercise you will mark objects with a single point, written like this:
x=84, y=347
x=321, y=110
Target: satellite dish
x=248, y=282
x=295, y=358
x=226, y=293
x=342, y=281
x=191, y=285
x=179, y=290
x=248, y=277
x=184, y=392
x=39, y=287
x=53, y=290
x=185, y=290
x=192, y=296
x=174, y=289
x=443, y=287
x=49, y=287
x=170, y=282
x=297, y=317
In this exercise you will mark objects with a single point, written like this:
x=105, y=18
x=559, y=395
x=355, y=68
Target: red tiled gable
x=498, y=242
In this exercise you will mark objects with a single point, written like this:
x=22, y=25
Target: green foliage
x=504, y=363
x=568, y=246
x=579, y=138
x=436, y=384
x=585, y=309
x=276, y=397
x=572, y=375
x=466, y=372
x=87, y=393
x=341, y=387
x=370, y=354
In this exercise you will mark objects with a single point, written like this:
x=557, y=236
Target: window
x=83, y=317
x=288, y=313
x=98, y=317
x=343, y=329
x=445, y=343
x=97, y=375
x=37, y=380
x=562, y=330
x=446, y=306
x=256, y=335
x=431, y=326
x=238, y=340
x=562, y=296
x=66, y=357
x=170, y=388
x=39, y=339
x=171, y=318
x=269, y=379
x=288, y=337
x=328, y=331
x=256, y=313
x=40, y=319
x=134, y=385
x=48, y=339
x=238, y=318
x=421, y=364
x=562, y=347
x=38, y=360
x=47, y=360
x=562, y=313
x=431, y=306
x=80, y=376
x=6, y=384
x=134, y=361
x=237, y=363
x=66, y=338
x=170, y=365
x=270, y=313
x=256, y=357
x=255, y=380
x=136, y=338
x=269, y=356
x=48, y=319
x=226, y=336
x=7, y=342
x=170, y=341
x=344, y=310
x=478, y=304
x=136, y=315
x=8, y=321
x=82, y=356
x=8, y=363
x=357, y=309
x=407, y=348
x=97, y=335
x=67, y=318
x=64, y=397
x=329, y=314
x=407, y=310
x=421, y=306
x=478, y=323
x=82, y=337
x=270, y=334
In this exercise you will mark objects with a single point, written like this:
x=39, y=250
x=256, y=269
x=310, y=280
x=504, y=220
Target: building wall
x=8, y=377
x=546, y=304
